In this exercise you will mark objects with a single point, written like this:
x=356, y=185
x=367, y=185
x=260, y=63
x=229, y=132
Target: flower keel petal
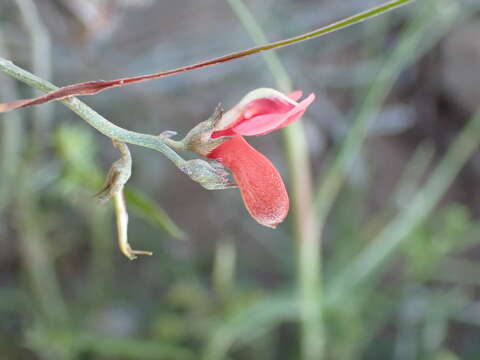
x=261, y=186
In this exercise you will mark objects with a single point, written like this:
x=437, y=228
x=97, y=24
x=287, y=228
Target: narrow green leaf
x=148, y=210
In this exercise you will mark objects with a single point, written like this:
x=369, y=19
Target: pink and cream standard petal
x=270, y=121
x=260, y=184
x=258, y=101
x=298, y=111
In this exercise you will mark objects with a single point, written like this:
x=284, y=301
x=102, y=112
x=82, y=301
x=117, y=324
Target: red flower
x=261, y=111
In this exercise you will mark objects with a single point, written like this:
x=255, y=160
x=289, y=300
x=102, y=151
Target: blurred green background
x=392, y=144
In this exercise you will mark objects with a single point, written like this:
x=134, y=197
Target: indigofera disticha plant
x=219, y=139
x=260, y=112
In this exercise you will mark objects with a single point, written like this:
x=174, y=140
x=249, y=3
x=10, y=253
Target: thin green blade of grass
x=148, y=210
x=404, y=190
x=388, y=240
x=77, y=147
x=250, y=322
x=306, y=235
x=223, y=273
x=36, y=254
x=11, y=141
x=411, y=177
x=429, y=20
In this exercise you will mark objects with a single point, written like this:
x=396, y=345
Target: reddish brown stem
x=94, y=87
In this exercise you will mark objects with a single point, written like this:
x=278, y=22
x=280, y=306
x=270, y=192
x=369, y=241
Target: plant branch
x=94, y=87
x=91, y=116
x=210, y=175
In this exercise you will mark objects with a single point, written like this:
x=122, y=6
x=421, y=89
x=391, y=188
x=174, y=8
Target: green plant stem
x=11, y=138
x=101, y=263
x=223, y=273
x=304, y=215
x=91, y=116
x=41, y=65
x=405, y=188
x=94, y=87
x=250, y=322
x=342, y=24
x=411, y=177
x=355, y=19
x=35, y=251
x=36, y=255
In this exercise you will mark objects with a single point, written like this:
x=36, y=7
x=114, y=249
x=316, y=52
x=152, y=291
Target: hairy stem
x=91, y=116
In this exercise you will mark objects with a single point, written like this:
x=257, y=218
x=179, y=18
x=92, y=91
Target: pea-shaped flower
x=221, y=138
